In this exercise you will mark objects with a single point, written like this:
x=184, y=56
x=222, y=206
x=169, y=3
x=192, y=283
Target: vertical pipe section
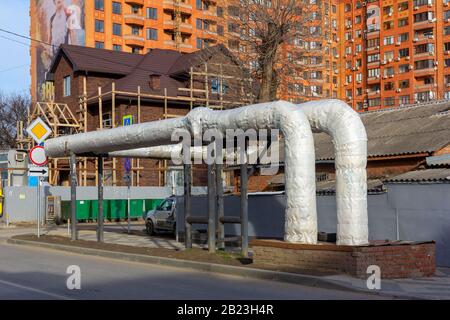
x=100, y=200
x=244, y=210
x=220, y=208
x=187, y=206
x=349, y=137
x=73, y=196
x=211, y=209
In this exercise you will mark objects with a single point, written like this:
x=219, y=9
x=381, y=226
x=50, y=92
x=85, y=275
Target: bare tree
x=263, y=28
x=13, y=108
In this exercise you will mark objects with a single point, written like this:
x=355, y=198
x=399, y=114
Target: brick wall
x=395, y=261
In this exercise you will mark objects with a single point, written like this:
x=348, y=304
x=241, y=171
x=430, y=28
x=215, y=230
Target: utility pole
x=73, y=196
x=100, y=200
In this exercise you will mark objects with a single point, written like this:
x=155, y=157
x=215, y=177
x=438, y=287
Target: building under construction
x=96, y=89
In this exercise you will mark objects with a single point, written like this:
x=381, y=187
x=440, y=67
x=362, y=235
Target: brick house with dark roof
x=159, y=82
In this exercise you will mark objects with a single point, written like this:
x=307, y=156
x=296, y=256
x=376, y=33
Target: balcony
x=423, y=39
x=210, y=15
x=134, y=19
x=134, y=40
x=209, y=34
x=429, y=86
x=169, y=5
x=423, y=24
x=138, y=2
x=424, y=55
x=372, y=80
x=424, y=72
x=184, y=27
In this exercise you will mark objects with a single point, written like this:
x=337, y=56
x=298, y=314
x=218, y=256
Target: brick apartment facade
x=394, y=52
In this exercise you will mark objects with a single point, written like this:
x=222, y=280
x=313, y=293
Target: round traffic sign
x=37, y=156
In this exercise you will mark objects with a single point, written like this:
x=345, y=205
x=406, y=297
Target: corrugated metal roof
x=441, y=160
x=407, y=130
x=427, y=175
x=329, y=186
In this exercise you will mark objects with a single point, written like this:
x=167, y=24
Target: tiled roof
x=134, y=69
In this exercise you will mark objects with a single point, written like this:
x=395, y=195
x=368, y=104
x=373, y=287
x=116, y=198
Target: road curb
x=301, y=279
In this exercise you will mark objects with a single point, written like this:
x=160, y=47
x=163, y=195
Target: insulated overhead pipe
x=300, y=215
x=347, y=131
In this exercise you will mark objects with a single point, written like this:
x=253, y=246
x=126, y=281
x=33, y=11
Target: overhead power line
x=25, y=37
x=14, y=68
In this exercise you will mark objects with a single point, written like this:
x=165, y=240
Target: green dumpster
x=117, y=209
x=136, y=208
x=93, y=213
x=83, y=208
x=151, y=204
x=65, y=210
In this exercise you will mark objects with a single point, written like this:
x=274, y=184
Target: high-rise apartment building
x=315, y=50
x=394, y=52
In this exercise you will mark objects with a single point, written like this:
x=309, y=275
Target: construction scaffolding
x=63, y=121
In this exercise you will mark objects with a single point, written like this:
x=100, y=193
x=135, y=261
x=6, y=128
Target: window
x=99, y=45
x=216, y=85
x=117, y=47
x=220, y=30
x=135, y=31
x=403, y=84
x=404, y=100
x=199, y=43
x=152, y=34
x=402, y=6
x=423, y=64
x=388, y=40
x=423, y=16
x=135, y=9
x=389, y=86
x=199, y=24
x=99, y=5
x=403, y=52
x=376, y=102
x=389, y=101
x=403, y=68
x=152, y=13
x=99, y=26
x=220, y=12
x=403, y=22
x=373, y=73
x=117, y=29
x=403, y=37
x=117, y=7
x=66, y=88
x=388, y=55
x=373, y=42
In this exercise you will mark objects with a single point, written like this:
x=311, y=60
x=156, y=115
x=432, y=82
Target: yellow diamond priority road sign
x=39, y=130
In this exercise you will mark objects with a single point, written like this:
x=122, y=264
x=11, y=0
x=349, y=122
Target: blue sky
x=14, y=57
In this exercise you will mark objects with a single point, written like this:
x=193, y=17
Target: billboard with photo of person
x=56, y=22
x=373, y=18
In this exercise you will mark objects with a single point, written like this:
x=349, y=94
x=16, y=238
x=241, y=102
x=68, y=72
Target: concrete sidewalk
x=432, y=288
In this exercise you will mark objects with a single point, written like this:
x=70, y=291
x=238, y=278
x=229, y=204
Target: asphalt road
x=35, y=273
